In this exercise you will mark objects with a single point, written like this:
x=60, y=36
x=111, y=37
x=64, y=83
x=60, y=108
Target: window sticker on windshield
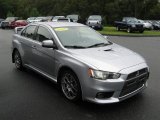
x=61, y=29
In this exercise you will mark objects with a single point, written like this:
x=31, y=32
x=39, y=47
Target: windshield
x=132, y=20
x=10, y=19
x=57, y=17
x=80, y=37
x=74, y=17
x=95, y=17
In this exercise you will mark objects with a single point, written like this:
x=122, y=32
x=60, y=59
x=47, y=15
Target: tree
x=111, y=10
x=10, y=14
x=34, y=12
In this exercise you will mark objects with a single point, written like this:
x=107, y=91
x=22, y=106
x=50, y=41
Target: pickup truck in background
x=130, y=24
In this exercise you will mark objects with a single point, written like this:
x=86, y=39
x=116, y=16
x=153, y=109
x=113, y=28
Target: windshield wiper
x=99, y=44
x=76, y=47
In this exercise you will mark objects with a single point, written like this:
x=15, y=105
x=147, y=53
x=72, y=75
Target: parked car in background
x=146, y=24
x=7, y=23
x=74, y=17
x=156, y=25
x=1, y=21
x=130, y=24
x=31, y=19
x=57, y=17
x=19, y=23
x=49, y=18
x=95, y=21
x=83, y=63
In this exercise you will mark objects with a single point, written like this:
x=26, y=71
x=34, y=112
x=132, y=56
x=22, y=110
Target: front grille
x=5, y=23
x=135, y=81
x=137, y=73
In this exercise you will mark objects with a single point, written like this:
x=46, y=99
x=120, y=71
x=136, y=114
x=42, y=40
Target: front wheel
x=17, y=60
x=70, y=86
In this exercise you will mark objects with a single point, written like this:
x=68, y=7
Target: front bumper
x=95, y=26
x=5, y=24
x=114, y=87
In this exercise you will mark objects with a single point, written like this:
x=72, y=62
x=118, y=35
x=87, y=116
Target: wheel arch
x=14, y=50
x=61, y=70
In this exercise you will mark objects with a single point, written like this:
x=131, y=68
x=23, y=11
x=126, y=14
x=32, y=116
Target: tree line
x=111, y=10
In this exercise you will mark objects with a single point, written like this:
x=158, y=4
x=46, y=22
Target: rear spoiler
x=18, y=29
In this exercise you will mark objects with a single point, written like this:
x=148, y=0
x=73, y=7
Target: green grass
x=113, y=31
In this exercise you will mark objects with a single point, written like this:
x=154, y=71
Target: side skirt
x=41, y=72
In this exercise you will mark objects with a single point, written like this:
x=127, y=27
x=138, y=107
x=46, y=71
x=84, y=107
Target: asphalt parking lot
x=29, y=96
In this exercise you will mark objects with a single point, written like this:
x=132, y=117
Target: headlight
x=133, y=25
x=103, y=75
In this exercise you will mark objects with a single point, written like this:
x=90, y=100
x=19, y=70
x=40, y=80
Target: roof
x=59, y=24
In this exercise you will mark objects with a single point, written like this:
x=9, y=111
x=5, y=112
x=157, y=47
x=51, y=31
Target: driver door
x=44, y=58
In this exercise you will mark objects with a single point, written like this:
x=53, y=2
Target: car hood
x=111, y=58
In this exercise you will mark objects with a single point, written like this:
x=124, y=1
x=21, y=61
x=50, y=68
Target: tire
x=70, y=86
x=17, y=60
x=129, y=30
x=117, y=28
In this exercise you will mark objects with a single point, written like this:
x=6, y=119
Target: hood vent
x=108, y=50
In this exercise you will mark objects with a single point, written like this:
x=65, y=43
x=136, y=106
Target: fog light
x=104, y=95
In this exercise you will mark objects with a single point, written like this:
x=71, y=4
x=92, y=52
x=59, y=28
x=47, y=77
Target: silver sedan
x=85, y=64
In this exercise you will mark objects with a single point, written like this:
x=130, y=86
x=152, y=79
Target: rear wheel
x=70, y=86
x=17, y=60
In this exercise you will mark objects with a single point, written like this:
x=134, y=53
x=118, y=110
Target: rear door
x=44, y=58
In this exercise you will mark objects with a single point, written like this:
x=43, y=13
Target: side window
x=23, y=32
x=43, y=34
x=29, y=32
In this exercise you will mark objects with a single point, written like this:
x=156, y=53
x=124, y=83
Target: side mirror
x=49, y=44
x=106, y=37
